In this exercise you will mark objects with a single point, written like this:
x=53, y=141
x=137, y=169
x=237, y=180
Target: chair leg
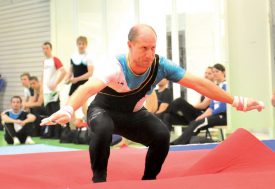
x=208, y=134
x=222, y=134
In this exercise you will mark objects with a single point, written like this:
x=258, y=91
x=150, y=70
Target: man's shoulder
x=7, y=111
x=165, y=62
x=55, y=58
x=23, y=113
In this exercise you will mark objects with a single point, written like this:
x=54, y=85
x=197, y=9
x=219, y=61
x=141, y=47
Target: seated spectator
x=181, y=112
x=164, y=96
x=28, y=91
x=151, y=103
x=214, y=115
x=160, y=99
x=36, y=105
x=1, y=125
x=17, y=123
x=2, y=83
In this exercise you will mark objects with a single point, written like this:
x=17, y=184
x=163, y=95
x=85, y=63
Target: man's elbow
x=63, y=72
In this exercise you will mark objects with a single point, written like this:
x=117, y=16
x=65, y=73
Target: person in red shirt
x=53, y=74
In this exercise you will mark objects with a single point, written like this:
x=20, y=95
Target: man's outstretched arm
x=79, y=97
x=210, y=90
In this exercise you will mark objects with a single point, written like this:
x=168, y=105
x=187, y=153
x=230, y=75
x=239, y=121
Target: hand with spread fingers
x=61, y=117
x=247, y=104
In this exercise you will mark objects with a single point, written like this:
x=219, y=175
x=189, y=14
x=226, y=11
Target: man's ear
x=129, y=44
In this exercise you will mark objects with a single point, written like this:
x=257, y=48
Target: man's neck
x=134, y=68
x=49, y=56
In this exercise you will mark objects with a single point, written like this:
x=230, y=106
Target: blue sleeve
x=171, y=71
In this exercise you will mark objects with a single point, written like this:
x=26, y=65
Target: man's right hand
x=20, y=122
x=61, y=117
x=52, y=86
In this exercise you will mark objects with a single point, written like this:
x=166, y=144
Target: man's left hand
x=247, y=104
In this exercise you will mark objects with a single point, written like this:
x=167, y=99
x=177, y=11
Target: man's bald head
x=136, y=30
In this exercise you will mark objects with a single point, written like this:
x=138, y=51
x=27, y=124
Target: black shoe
x=97, y=179
x=116, y=139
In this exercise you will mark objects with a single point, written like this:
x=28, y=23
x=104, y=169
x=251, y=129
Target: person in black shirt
x=28, y=91
x=37, y=105
x=81, y=67
x=164, y=96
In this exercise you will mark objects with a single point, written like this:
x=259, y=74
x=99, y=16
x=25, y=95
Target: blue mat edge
x=208, y=146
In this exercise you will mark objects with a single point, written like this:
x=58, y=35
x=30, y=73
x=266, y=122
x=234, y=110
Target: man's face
x=16, y=104
x=81, y=45
x=25, y=81
x=47, y=50
x=208, y=74
x=143, y=48
x=34, y=84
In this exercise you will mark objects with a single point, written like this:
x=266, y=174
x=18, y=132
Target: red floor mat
x=240, y=162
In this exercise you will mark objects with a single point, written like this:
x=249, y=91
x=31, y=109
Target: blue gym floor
x=43, y=148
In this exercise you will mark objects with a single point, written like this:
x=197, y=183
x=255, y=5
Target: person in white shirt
x=122, y=86
x=53, y=74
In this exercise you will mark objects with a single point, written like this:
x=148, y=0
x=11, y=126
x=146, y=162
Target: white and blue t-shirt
x=117, y=75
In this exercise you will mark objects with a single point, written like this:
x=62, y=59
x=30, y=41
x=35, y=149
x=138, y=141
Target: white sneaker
x=29, y=140
x=16, y=141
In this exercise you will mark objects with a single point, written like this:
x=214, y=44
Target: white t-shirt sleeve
x=107, y=71
x=91, y=59
x=27, y=92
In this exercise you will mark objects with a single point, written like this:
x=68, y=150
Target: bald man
x=122, y=86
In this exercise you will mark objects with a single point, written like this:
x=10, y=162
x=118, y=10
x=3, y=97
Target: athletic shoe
x=29, y=140
x=16, y=141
